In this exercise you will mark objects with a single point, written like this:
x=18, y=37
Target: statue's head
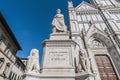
x=58, y=11
x=34, y=52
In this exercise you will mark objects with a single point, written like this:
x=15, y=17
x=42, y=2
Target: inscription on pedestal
x=58, y=57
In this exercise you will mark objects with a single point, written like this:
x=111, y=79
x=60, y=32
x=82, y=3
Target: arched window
x=5, y=72
x=1, y=62
x=105, y=68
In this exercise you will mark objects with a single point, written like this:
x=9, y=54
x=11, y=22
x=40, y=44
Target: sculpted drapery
x=58, y=24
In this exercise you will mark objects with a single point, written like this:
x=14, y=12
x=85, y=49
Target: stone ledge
x=59, y=36
x=83, y=75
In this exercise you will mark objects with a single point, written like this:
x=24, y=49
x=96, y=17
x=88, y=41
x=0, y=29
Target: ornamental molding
x=84, y=6
x=92, y=30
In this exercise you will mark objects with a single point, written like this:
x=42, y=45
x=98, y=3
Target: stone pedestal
x=58, y=60
x=58, y=57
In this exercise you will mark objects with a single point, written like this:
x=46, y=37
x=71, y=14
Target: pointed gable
x=84, y=6
x=93, y=29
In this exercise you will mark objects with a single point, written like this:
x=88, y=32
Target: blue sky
x=30, y=20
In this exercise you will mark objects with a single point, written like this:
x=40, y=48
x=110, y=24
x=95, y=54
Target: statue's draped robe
x=58, y=23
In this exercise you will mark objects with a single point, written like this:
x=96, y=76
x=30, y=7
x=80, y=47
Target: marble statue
x=58, y=24
x=84, y=61
x=33, y=61
x=70, y=4
x=82, y=66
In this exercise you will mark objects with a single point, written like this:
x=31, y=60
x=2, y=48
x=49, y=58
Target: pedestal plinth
x=59, y=36
x=58, y=56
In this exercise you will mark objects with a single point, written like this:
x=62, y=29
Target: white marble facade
x=94, y=29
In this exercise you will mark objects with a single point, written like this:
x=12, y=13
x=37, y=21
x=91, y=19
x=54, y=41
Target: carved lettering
x=58, y=57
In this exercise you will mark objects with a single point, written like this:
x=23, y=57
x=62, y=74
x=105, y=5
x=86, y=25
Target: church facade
x=88, y=50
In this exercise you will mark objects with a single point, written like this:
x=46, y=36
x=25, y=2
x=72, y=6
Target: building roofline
x=20, y=61
x=24, y=58
x=6, y=26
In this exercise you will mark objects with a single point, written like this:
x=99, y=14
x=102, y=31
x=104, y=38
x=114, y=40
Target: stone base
x=49, y=77
x=59, y=36
x=84, y=76
x=54, y=76
x=58, y=70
